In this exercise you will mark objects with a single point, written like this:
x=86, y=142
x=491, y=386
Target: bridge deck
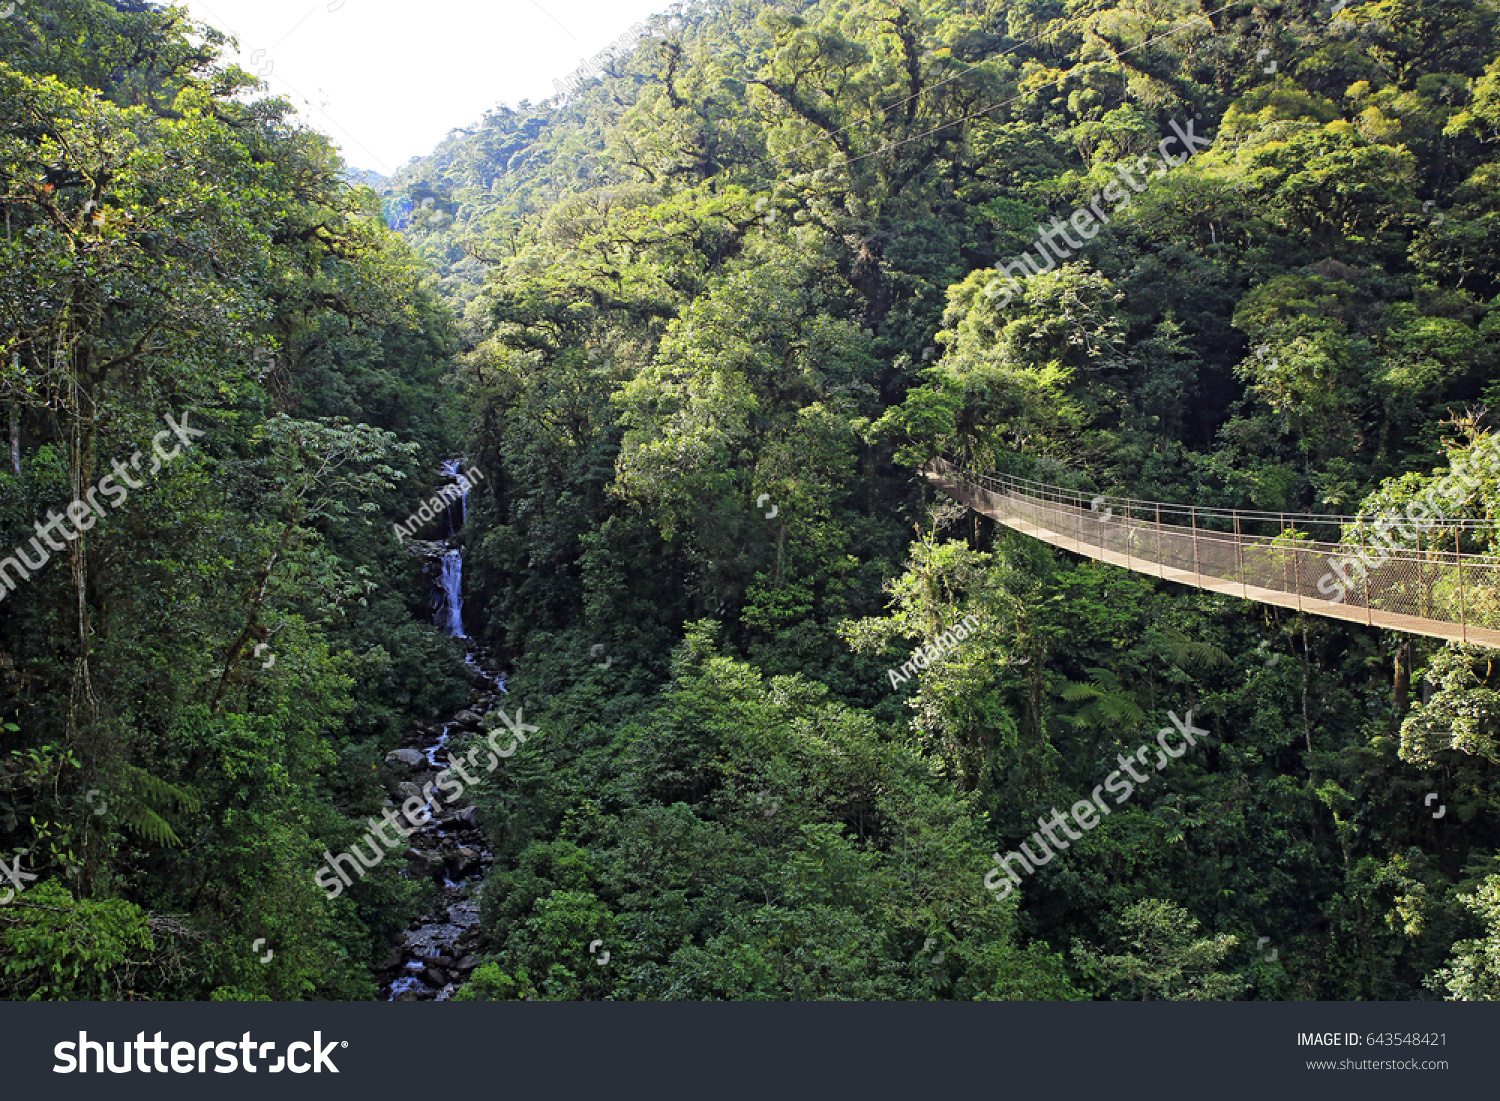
x=1392, y=595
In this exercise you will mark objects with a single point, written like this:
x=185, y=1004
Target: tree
x=1164, y=961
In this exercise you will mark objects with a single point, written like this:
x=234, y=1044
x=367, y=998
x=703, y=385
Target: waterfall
x=450, y=614
x=434, y=957
x=449, y=597
x=454, y=514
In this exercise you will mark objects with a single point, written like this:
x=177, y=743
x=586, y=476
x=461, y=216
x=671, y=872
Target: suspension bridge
x=1431, y=587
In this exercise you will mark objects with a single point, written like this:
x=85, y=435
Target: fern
x=1108, y=703
x=1188, y=652
x=146, y=798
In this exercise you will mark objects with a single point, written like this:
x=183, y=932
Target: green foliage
x=59, y=948
x=1473, y=974
x=747, y=839
x=176, y=247
x=137, y=810
x=1164, y=961
x=698, y=322
x=749, y=266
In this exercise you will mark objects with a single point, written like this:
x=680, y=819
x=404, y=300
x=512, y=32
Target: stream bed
x=435, y=953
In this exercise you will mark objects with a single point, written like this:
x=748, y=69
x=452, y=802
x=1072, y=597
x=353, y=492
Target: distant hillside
x=363, y=177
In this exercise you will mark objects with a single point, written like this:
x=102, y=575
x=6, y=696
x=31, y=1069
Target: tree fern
x=147, y=796
x=1108, y=703
x=1188, y=652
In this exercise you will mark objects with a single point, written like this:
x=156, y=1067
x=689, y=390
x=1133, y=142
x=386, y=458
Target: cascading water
x=453, y=468
x=449, y=597
x=451, y=583
x=436, y=953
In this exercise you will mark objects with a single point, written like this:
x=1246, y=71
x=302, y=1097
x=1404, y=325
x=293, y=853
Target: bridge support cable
x=1429, y=588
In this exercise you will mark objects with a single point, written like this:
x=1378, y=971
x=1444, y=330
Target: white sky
x=388, y=79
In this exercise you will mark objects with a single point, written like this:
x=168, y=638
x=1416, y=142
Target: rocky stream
x=436, y=952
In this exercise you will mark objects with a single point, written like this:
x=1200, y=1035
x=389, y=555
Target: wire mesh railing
x=1418, y=578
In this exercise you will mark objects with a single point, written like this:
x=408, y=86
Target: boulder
x=411, y=758
x=434, y=977
x=464, y=914
x=422, y=864
x=469, y=720
x=465, y=862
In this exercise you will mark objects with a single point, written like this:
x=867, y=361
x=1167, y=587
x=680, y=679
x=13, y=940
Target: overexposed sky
x=388, y=79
